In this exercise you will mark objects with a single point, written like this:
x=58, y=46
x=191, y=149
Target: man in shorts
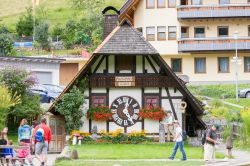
x=41, y=147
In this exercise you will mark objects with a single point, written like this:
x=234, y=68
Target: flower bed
x=152, y=112
x=101, y=113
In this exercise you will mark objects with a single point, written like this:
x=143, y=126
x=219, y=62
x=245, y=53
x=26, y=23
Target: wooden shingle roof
x=125, y=40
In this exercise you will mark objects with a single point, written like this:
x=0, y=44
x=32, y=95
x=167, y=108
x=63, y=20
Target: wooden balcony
x=213, y=44
x=130, y=81
x=213, y=11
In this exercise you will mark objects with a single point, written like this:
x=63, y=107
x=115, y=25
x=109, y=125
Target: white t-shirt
x=178, y=131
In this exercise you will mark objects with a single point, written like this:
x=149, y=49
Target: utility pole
x=236, y=66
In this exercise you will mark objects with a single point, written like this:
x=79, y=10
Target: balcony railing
x=213, y=11
x=213, y=44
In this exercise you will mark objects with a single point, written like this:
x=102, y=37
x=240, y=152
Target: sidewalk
x=240, y=158
x=50, y=160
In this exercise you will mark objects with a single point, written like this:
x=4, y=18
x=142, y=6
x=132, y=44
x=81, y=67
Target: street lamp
x=236, y=64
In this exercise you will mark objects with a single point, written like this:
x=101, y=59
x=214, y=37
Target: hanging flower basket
x=100, y=113
x=152, y=112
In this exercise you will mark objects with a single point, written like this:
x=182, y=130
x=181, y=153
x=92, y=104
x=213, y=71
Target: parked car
x=245, y=93
x=47, y=92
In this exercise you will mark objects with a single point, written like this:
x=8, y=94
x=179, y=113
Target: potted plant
x=100, y=113
x=152, y=112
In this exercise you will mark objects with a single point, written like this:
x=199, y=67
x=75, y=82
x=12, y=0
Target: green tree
x=6, y=45
x=42, y=35
x=18, y=81
x=88, y=5
x=69, y=106
x=69, y=34
x=24, y=25
x=6, y=101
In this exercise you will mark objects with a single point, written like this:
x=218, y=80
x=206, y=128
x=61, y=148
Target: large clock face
x=125, y=111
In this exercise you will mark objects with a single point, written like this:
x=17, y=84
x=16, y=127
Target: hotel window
x=223, y=31
x=161, y=33
x=176, y=65
x=161, y=3
x=223, y=65
x=249, y=30
x=196, y=2
x=199, y=32
x=171, y=3
x=152, y=101
x=200, y=65
x=98, y=101
x=150, y=33
x=171, y=33
x=184, y=32
x=150, y=4
x=222, y=2
x=247, y=64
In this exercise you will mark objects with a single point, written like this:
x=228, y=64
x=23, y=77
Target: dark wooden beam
x=171, y=103
x=99, y=63
x=151, y=64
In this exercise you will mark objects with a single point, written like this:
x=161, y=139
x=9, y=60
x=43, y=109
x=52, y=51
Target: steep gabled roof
x=124, y=39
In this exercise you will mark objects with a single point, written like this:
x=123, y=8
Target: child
x=2, y=142
x=9, y=153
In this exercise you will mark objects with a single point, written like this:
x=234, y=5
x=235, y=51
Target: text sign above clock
x=125, y=111
x=125, y=81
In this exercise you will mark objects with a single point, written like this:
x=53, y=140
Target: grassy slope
x=57, y=11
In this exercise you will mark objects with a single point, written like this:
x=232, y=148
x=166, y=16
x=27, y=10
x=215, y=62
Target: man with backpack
x=178, y=138
x=210, y=142
x=42, y=137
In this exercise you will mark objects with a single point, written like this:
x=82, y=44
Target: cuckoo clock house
x=127, y=74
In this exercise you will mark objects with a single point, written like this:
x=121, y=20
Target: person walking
x=24, y=139
x=168, y=125
x=211, y=141
x=42, y=137
x=178, y=142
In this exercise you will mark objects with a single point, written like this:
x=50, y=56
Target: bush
x=7, y=45
x=69, y=106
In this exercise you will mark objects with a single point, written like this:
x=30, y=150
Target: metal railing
x=213, y=11
x=213, y=44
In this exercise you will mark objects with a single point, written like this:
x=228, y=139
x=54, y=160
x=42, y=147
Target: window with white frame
x=98, y=101
x=150, y=4
x=161, y=33
x=152, y=101
x=172, y=33
x=150, y=33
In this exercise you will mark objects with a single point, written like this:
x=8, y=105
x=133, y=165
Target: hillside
x=56, y=11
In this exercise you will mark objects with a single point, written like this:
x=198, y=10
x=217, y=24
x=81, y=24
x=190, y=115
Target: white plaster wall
x=113, y=127
x=101, y=67
x=53, y=68
x=151, y=126
x=96, y=63
x=100, y=125
x=111, y=64
x=136, y=127
x=132, y=92
x=85, y=126
x=148, y=67
x=98, y=90
x=151, y=90
x=139, y=64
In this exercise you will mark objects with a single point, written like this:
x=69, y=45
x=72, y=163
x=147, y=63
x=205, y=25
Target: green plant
x=42, y=35
x=7, y=45
x=69, y=106
x=18, y=81
x=7, y=100
x=24, y=25
x=100, y=113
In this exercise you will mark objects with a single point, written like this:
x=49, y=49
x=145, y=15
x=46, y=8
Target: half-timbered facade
x=127, y=74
